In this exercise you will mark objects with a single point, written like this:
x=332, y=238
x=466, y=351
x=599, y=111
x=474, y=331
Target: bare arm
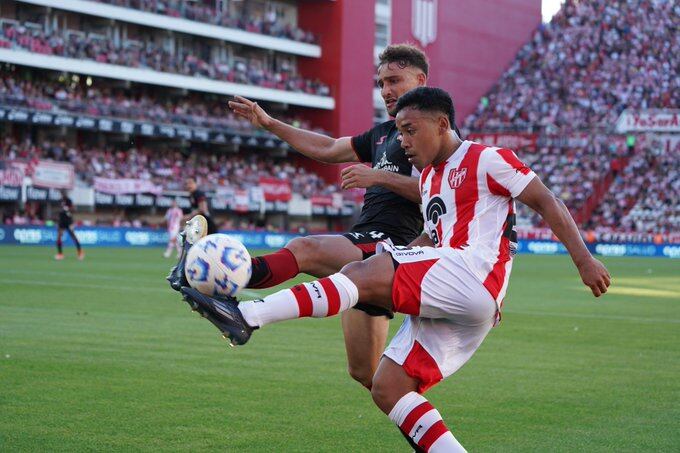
x=317, y=146
x=539, y=198
x=362, y=176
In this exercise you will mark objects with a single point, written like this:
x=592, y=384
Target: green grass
x=101, y=355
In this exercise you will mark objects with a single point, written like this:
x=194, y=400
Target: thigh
x=430, y=350
x=437, y=283
x=374, y=279
x=323, y=255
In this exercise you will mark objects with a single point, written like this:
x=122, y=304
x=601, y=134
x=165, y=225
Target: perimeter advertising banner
x=148, y=237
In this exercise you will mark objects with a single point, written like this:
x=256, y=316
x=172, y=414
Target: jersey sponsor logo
x=424, y=21
x=387, y=165
x=435, y=209
x=456, y=177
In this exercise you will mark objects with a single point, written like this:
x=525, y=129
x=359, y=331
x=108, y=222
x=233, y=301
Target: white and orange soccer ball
x=218, y=265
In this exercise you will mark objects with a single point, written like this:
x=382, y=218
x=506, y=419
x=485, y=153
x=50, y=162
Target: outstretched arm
x=363, y=177
x=317, y=146
x=539, y=198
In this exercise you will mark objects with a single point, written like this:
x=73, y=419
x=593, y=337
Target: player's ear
x=444, y=125
x=422, y=79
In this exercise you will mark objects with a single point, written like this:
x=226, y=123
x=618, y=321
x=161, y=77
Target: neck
x=449, y=146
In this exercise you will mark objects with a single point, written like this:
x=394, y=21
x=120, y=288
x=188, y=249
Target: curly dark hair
x=405, y=55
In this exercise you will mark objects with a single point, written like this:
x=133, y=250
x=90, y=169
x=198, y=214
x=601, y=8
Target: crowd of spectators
x=150, y=55
x=106, y=101
x=592, y=61
x=268, y=19
x=169, y=168
x=644, y=197
x=572, y=169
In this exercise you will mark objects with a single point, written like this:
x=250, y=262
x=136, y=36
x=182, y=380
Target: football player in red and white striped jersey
x=451, y=280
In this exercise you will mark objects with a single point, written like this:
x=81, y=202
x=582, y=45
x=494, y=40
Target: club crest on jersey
x=456, y=177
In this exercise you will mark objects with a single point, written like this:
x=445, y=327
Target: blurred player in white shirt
x=173, y=217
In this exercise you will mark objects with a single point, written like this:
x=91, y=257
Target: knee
x=355, y=270
x=305, y=248
x=362, y=375
x=383, y=396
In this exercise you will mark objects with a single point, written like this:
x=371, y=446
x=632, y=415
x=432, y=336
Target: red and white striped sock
x=326, y=297
x=420, y=421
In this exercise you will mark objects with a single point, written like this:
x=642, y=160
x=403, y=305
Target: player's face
x=421, y=136
x=394, y=80
x=190, y=185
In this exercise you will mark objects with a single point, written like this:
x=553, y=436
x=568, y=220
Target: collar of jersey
x=461, y=149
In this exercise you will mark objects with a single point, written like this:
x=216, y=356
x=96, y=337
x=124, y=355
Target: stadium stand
x=134, y=103
x=144, y=53
x=168, y=168
x=580, y=71
x=573, y=79
x=267, y=18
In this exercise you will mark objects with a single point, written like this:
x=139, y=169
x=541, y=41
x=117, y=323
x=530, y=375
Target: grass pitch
x=102, y=355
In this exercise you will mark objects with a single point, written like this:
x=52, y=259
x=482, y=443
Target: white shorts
x=451, y=312
x=172, y=233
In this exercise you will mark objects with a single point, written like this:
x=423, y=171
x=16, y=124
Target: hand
x=594, y=275
x=358, y=176
x=249, y=110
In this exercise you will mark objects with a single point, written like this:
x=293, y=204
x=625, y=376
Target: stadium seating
x=575, y=77
x=135, y=104
x=76, y=44
x=169, y=168
x=593, y=60
x=270, y=21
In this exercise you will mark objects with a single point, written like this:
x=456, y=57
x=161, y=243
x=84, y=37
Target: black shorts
x=366, y=241
x=65, y=222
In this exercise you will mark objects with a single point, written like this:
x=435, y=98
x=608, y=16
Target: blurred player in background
x=65, y=221
x=390, y=211
x=451, y=283
x=199, y=204
x=173, y=217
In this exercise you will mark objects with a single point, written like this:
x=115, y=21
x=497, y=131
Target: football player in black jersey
x=199, y=204
x=64, y=224
x=391, y=204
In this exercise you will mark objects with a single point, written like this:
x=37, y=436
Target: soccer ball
x=218, y=265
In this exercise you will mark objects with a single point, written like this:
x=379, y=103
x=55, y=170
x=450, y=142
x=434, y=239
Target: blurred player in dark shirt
x=199, y=204
x=64, y=224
